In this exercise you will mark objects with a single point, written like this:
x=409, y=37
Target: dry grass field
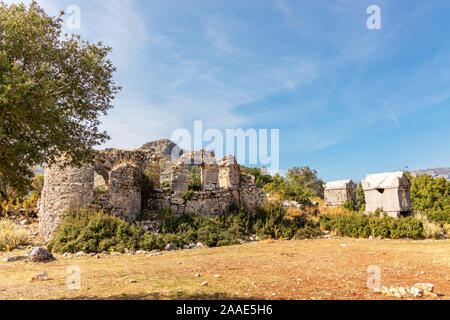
x=309, y=269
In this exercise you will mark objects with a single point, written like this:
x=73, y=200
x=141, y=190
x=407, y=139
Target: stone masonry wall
x=63, y=189
x=222, y=185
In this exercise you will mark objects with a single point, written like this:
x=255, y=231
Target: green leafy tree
x=306, y=177
x=429, y=193
x=300, y=184
x=53, y=89
x=360, y=197
x=432, y=197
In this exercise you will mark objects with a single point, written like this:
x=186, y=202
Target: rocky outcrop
x=165, y=149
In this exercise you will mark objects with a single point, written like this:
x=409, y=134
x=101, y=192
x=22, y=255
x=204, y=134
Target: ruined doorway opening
x=101, y=187
x=380, y=191
x=195, y=177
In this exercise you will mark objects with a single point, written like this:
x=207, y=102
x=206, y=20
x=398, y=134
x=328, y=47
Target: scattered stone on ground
x=40, y=255
x=154, y=254
x=40, y=277
x=419, y=290
x=133, y=281
x=170, y=247
x=14, y=259
x=199, y=245
x=204, y=283
x=217, y=276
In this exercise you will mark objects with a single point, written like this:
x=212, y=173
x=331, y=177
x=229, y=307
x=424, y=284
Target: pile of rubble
x=419, y=290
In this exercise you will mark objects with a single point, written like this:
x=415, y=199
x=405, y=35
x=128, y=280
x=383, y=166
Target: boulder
x=40, y=255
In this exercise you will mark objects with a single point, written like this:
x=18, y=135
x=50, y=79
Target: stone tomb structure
x=388, y=191
x=339, y=192
x=127, y=190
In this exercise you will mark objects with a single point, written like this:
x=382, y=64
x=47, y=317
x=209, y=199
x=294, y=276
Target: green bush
x=349, y=205
x=91, y=231
x=431, y=197
x=440, y=216
x=195, y=178
x=188, y=195
x=363, y=226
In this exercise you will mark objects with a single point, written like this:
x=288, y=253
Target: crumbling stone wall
x=222, y=184
x=229, y=173
x=125, y=192
x=123, y=172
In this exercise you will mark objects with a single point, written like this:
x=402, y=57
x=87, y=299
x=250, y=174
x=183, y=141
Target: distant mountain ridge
x=435, y=173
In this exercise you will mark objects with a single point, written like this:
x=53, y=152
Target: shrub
x=188, y=195
x=359, y=225
x=92, y=231
x=431, y=229
x=11, y=236
x=407, y=228
x=349, y=205
x=439, y=216
x=26, y=204
x=195, y=178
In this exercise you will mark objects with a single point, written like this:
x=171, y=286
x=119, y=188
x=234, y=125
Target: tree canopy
x=300, y=184
x=53, y=89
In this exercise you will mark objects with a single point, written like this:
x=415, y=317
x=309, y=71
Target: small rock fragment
x=14, y=259
x=425, y=286
x=40, y=277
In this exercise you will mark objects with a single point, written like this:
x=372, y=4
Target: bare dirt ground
x=309, y=269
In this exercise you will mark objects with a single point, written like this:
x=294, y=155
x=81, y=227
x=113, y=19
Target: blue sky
x=348, y=101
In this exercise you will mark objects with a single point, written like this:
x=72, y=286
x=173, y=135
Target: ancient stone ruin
x=339, y=192
x=128, y=188
x=389, y=192
x=222, y=185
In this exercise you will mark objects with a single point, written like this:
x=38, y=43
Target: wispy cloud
x=216, y=32
x=391, y=113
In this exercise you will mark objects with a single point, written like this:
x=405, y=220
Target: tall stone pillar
x=64, y=189
x=125, y=192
